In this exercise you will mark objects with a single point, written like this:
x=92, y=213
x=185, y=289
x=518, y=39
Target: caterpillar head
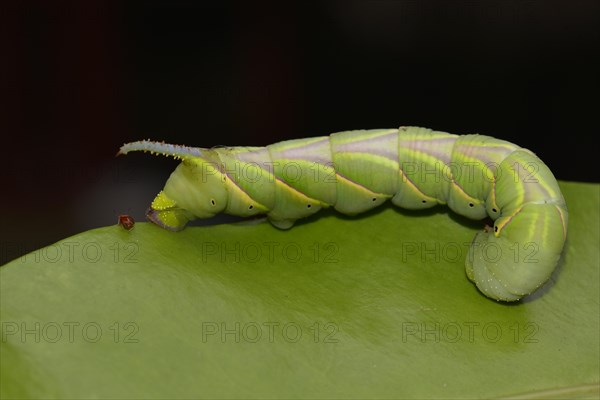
x=194, y=190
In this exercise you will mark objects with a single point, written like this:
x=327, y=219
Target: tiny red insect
x=126, y=221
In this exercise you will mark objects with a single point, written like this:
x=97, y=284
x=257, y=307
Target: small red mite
x=126, y=221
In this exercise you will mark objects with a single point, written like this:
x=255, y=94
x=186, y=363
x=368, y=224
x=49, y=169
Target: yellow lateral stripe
x=231, y=186
x=296, y=193
x=361, y=187
x=463, y=193
x=411, y=184
x=501, y=225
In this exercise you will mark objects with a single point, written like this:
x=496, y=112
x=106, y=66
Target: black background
x=80, y=78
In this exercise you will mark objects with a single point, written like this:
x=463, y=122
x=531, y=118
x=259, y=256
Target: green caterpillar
x=416, y=168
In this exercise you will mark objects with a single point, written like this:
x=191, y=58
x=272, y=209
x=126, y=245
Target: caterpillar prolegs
x=415, y=168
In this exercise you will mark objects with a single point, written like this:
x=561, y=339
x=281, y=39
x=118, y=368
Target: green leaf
x=376, y=306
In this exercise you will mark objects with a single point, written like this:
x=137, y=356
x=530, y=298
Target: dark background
x=80, y=78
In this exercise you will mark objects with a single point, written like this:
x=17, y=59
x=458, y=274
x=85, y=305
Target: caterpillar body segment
x=415, y=168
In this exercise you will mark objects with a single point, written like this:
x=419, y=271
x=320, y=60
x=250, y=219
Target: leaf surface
x=376, y=306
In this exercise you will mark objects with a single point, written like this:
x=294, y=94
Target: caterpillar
x=415, y=168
